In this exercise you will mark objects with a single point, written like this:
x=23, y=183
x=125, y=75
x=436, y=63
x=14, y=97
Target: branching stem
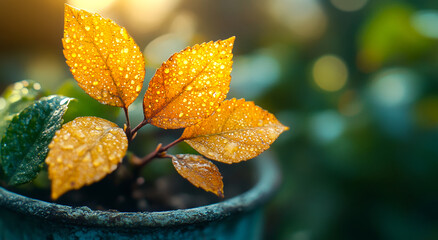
x=159, y=152
x=142, y=124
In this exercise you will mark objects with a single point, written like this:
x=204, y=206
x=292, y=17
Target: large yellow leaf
x=190, y=85
x=237, y=131
x=84, y=151
x=103, y=58
x=200, y=172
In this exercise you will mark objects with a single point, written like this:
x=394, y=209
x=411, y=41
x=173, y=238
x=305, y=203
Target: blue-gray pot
x=240, y=217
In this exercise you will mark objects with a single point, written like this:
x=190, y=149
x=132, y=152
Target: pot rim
x=266, y=169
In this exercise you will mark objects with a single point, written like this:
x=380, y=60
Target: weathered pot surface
x=240, y=217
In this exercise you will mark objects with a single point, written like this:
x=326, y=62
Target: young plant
x=187, y=91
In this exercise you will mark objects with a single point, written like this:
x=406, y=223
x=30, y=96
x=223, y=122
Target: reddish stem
x=142, y=124
x=128, y=131
x=159, y=152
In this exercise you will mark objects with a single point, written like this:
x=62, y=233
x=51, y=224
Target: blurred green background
x=356, y=80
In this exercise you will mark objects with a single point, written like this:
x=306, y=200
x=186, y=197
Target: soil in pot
x=121, y=191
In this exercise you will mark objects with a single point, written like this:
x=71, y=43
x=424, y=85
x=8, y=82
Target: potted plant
x=187, y=92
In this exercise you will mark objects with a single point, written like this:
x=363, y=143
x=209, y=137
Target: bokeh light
x=395, y=87
x=326, y=126
x=180, y=33
x=306, y=19
x=349, y=5
x=254, y=74
x=425, y=23
x=91, y=5
x=330, y=73
x=146, y=15
x=162, y=47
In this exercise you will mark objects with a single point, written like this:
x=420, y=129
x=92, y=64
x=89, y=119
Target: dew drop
x=87, y=28
x=67, y=147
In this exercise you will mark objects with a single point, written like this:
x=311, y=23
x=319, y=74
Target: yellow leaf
x=102, y=57
x=84, y=151
x=200, y=172
x=237, y=131
x=190, y=85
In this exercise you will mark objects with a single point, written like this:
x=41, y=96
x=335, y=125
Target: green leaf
x=25, y=144
x=85, y=105
x=15, y=98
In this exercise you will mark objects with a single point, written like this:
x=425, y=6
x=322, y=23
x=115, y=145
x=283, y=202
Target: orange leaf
x=190, y=85
x=200, y=172
x=237, y=131
x=103, y=58
x=84, y=151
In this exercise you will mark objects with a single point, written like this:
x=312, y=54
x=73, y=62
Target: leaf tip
x=54, y=195
x=220, y=193
x=231, y=39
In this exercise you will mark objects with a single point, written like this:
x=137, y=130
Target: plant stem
x=128, y=125
x=142, y=124
x=159, y=152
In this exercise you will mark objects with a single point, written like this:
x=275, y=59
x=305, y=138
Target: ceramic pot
x=240, y=217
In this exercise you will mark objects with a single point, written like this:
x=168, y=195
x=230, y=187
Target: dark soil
x=122, y=191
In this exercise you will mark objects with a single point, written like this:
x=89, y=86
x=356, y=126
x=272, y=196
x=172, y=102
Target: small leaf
x=103, y=58
x=237, y=131
x=83, y=152
x=25, y=144
x=15, y=98
x=200, y=172
x=190, y=85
